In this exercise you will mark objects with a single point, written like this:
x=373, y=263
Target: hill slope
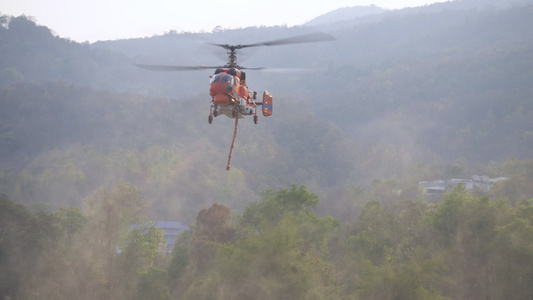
x=432, y=85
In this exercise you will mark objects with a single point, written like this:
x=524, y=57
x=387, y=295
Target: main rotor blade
x=165, y=68
x=307, y=38
x=253, y=68
x=290, y=70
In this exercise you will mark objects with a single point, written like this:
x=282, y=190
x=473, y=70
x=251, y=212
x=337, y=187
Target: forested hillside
x=465, y=247
x=436, y=91
x=322, y=200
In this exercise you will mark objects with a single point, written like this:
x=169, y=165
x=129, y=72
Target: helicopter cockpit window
x=222, y=78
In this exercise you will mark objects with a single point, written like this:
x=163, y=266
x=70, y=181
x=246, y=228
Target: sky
x=93, y=20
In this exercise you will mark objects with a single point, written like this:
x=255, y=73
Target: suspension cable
x=236, y=110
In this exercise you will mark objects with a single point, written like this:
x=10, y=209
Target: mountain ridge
x=345, y=14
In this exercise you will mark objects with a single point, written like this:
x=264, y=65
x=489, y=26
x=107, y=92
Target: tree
x=511, y=251
x=213, y=224
x=181, y=268
x=212, y=227
x=18, y=252
x=111, y=213
x=387, y=254
x=141, y=250
x=279, y=250
x=35, y=251
x=466, y=227
x=153, y=285
x=280, y=262
x=274, y=204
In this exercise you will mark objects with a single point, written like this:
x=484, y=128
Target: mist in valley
x=323, y=199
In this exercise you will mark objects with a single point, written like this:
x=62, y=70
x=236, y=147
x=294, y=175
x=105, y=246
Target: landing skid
x=229, y=111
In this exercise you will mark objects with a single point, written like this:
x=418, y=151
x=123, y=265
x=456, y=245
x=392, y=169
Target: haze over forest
x=434, y=92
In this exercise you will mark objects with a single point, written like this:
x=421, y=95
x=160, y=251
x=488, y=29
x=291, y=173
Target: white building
x=172, y=230
x=435, y=189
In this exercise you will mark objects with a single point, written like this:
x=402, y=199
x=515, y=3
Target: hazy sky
x=92, y=20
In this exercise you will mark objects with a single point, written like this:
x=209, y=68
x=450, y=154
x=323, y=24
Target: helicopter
x=229, y=91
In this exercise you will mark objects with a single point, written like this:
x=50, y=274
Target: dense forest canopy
x=464, y=247
x=323, y=199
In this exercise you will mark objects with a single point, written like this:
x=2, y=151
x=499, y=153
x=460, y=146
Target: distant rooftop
x=436, y=188
x=172, y=230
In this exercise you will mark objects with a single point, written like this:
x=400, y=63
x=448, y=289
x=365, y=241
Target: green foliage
x=181, y=267
x=465, y=246
x=213, y=224
x=518, y=189
x=278, y=263
x=141, y=248
x=513, y=252
x=286, y=257
x=275, y=204
x=11, y=75
x=376, y=236
x=111, y=213
x=34, y=247
x=17, y=250
x=212, y=227
x=470, y=229
x=152, y=285
x=449, y=218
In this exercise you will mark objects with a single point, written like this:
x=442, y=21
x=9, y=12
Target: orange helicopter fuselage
x=228, y=91
x=229, y=86
x=230, y=96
